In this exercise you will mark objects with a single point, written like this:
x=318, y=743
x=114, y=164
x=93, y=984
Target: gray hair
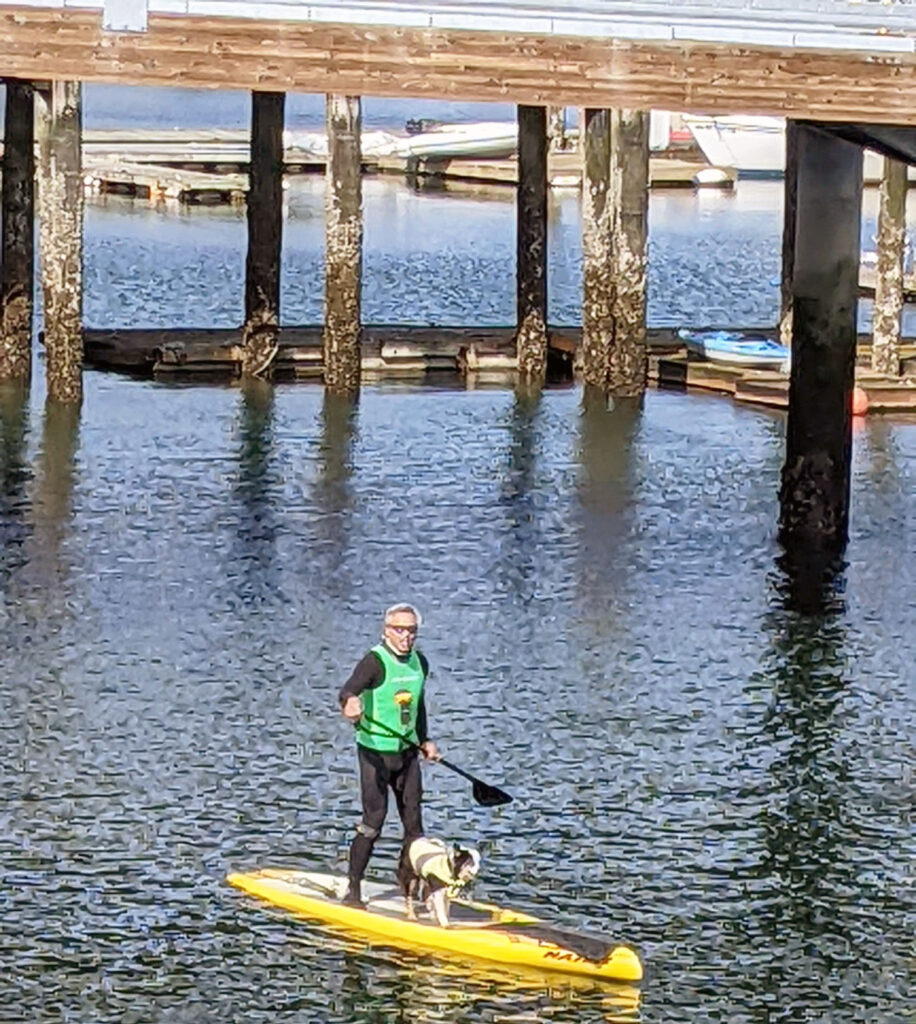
x=396, y=609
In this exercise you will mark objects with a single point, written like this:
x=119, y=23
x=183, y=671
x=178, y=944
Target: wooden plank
x=382, y=61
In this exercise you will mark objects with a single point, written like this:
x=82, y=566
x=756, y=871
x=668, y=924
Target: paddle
x=484, y=794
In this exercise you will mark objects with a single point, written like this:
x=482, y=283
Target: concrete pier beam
x=531, y=244
x=343, y=247
x=814, y=497
x=597, y=267
x=614, y=238
x=60, y=194
x=789, y=214
x=18, y=232
x=885, y=351
x=629, y=357
x=265, y=233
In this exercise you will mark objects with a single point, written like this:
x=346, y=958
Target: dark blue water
x=187, y=574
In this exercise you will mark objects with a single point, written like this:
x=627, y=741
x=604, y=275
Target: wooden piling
x=265, y=233
x=556, y=129
x=628, y=355
x=343, y=246
x=814, y=496
x=614, y=233
x=885, y=350
x=789, y=214
x=17, y=245
x=531, y=244
x=597, y=268
x=60, y=194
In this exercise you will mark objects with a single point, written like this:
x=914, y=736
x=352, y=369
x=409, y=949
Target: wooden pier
x=843, y=75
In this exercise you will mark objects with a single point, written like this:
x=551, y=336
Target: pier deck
x=821, y=59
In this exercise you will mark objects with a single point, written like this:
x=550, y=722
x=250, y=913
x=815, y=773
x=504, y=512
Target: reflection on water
x=815, y=807
x=419, y=987
x=332, y=493
x=255, y=495
x=43, y=582
x=15, y=474
x=521, y=502
x=699, y=769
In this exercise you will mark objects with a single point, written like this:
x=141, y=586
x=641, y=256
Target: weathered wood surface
x=398, y=352
x=597, y=253
x=61, y=207
x=814, y=491
x=531, y=244
x=18, y=234
x=343, y=209
x=889, y=283
x=265, y=233
x=771, y=387
x=626, y=372
x=789, y=216
x=530, y=67
x=147, y=181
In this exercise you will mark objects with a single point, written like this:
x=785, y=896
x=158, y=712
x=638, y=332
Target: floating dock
x=208, y=167
x=475, y=355
x=771, y=387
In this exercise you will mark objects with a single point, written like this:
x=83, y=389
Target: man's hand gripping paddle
x=485, y=794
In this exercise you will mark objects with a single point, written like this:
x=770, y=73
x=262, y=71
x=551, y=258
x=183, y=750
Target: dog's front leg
x=409, y=908
x=438, y=905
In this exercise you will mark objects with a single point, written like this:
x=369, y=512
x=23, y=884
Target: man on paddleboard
x=384, y=699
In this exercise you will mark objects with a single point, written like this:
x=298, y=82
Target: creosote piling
x=18, y=247
x=343, y=246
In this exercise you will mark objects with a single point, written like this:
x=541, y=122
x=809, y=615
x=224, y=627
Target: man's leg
x=408, y=792
x=373, y=783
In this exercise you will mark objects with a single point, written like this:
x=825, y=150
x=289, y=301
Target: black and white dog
x=433, y=871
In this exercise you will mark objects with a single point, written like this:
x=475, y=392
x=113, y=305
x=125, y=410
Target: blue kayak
x=736, y=348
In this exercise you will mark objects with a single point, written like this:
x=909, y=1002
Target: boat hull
x=477, y=930
x=732, y=348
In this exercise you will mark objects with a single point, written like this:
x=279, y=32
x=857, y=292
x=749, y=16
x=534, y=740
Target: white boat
x=755, y=146
x=499, y=138
x=482, y=139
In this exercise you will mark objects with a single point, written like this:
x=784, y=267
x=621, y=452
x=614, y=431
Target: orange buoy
x=859, y=402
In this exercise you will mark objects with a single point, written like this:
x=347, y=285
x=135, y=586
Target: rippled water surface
x=189, y=573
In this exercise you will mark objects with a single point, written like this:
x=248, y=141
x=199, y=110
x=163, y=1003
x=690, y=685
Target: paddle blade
x=489, y=796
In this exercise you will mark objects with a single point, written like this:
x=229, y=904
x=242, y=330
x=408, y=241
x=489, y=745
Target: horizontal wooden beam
x=295, y=56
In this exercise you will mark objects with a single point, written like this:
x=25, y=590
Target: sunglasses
x=403, y=630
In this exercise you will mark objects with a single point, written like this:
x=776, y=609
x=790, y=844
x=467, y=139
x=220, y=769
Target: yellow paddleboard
x=478, y=930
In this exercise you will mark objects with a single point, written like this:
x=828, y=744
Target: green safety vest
x=393, y=703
